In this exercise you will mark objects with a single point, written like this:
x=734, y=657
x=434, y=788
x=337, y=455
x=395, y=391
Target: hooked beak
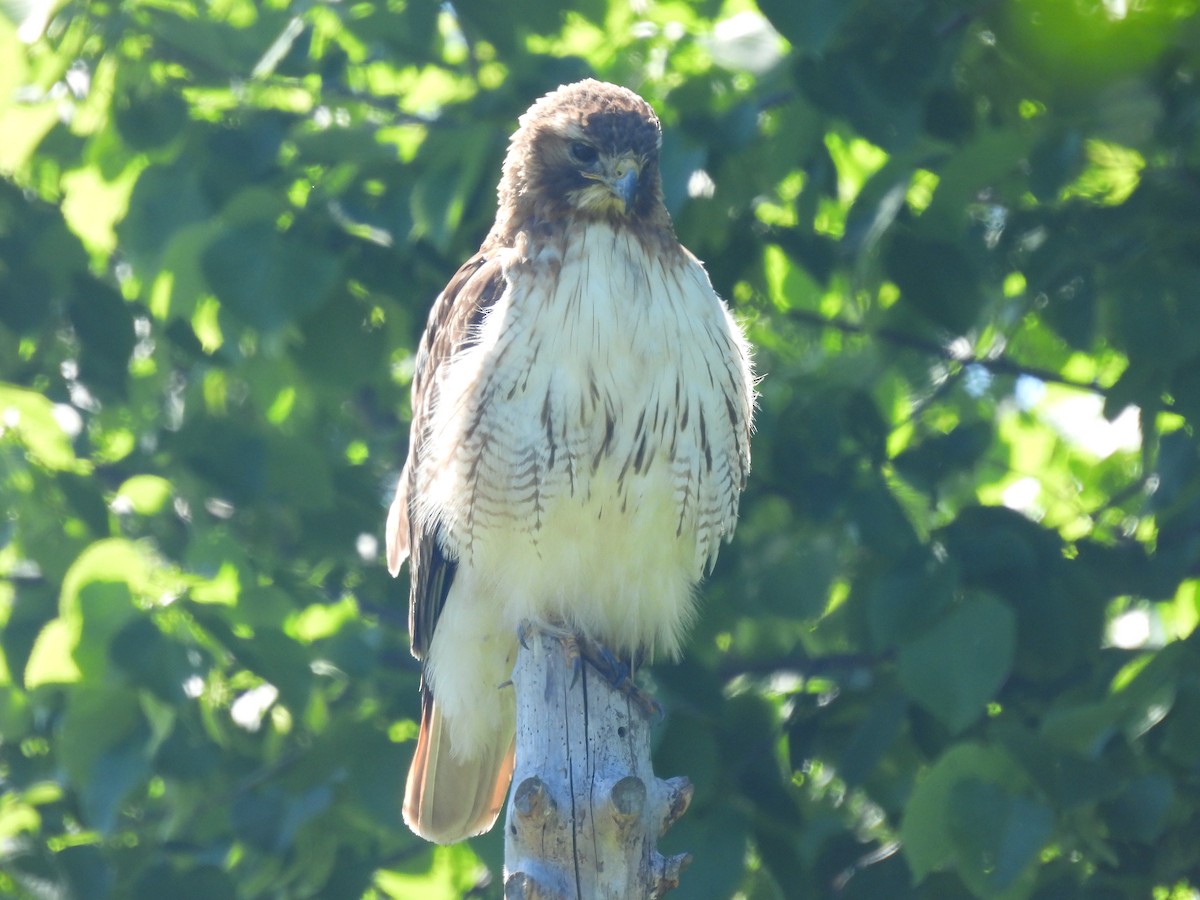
x=624, y=182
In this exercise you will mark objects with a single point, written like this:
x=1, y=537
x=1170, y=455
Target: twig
x=802, y=664
x=997, y=365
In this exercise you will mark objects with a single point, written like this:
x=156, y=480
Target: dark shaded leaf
x=1140, y=812
x=810, y=25
x=103, y=324
x=996, y=835
x=955, y=667
x=908, y=598
x=204, y=882
x=266, y=278
x=937, y=278
x=151, y=659
x=147, y=120
x=936, y=458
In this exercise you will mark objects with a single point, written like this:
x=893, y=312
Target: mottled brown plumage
x=540, y=176
x=580, y=436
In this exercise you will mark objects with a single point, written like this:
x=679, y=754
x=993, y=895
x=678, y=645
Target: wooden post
x=585, y=810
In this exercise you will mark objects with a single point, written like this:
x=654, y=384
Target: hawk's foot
x=566, y=637
x=619, y=673
x=616, y=671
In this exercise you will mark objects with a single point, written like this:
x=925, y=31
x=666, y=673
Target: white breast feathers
x=588, y=450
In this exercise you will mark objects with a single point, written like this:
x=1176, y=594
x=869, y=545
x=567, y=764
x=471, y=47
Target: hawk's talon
x=616, y=671
x=571, y=650
x=576, y=670
x=619, y=673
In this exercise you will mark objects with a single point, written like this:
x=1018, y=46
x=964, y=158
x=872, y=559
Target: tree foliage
x=951, y=651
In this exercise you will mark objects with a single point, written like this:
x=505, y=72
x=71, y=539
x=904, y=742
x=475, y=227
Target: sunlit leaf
x=29, y=416
x=51, y=660
x=145, y=495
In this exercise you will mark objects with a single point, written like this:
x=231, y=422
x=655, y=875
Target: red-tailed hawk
x=580, y=437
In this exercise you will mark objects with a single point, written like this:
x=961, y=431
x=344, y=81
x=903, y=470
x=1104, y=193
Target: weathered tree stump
x=585, y=810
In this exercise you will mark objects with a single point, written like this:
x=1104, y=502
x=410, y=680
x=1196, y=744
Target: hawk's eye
x=584, y=153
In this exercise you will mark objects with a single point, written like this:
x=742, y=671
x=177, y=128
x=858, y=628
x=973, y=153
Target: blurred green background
x=952, y=650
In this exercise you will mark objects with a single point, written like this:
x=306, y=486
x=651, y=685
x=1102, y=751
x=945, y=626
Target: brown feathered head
x=590, y=150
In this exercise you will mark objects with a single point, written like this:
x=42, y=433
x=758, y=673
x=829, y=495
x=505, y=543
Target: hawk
x=580, y=438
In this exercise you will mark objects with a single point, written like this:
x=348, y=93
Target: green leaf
x=225, y=45
x=147, y=119
x=202, y=882
x=451, y=874
x=151, y=659
x=16, y=714
x=42, y=257
x=937, y=278
x=165, y=202
x=927, y=464
x=412, y=34
x=103, y=325
x=1069, y=780
x=340, y=351
x=145, y=495
x=990, y=158
x=1181, y=741
x=298, y=471
x=29, y=416
x=51, y=660
x=104, y=609
x=882, y=522
x=96, y=601
x=281, y=661
x=792, y=579
x=104, y=750
x=873, y=738
x=89, y=871
x=927, y=826
x=268, y=279
x=1055, y=160
x=811, y=25
x=376, y=770
x=502, y=25
x=1084, y=728
x=228, y=453
x=956, y=667
x=908, y=598
x=268, y=818
x=687, y=745
x=439, y=201
x=717, y=843
x=115, y=561
x=1140, y=812
x=996, y=834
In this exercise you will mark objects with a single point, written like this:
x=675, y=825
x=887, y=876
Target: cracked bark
x=585, y=810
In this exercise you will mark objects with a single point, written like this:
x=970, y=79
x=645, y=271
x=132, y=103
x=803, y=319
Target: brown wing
x=452, y=327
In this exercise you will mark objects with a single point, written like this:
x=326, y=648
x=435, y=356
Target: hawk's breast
x=591, y=443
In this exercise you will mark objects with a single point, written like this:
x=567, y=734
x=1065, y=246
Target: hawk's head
x=588, y=149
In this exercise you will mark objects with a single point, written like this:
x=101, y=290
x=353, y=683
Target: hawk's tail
x=447, y=798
